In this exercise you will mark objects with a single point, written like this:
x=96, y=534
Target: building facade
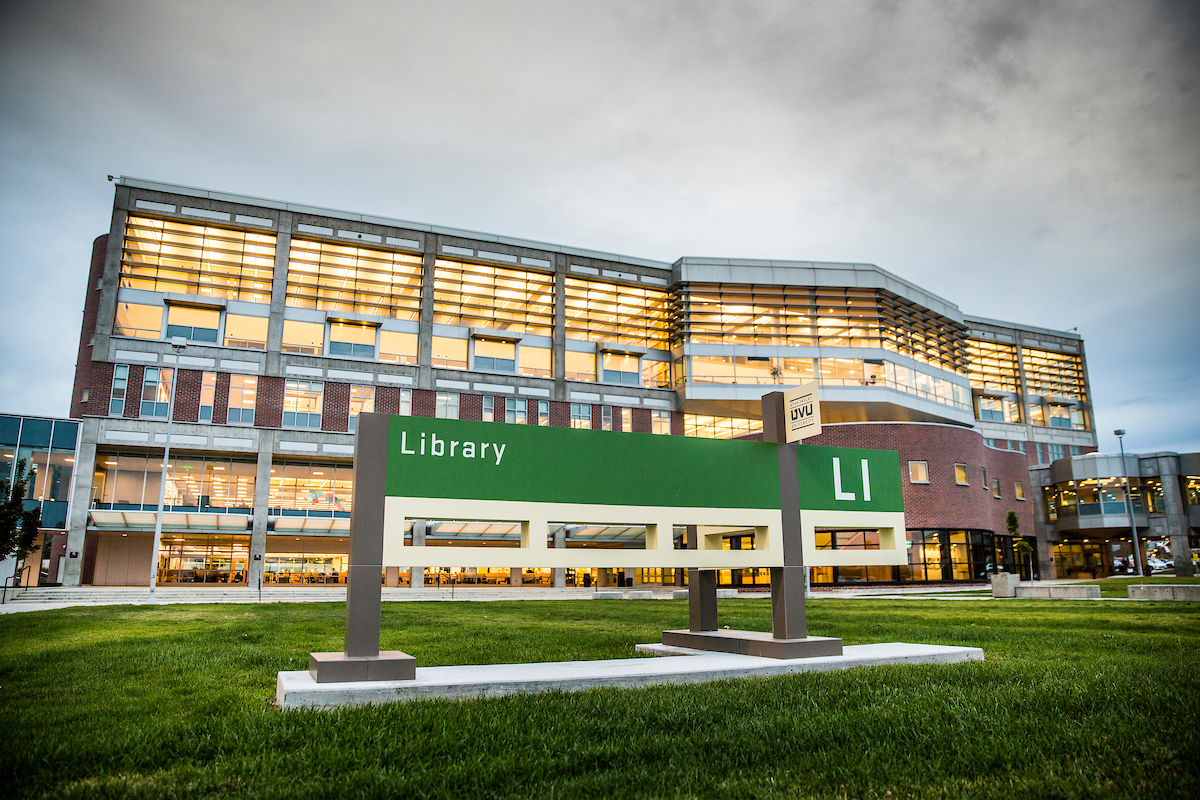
x=296, y=319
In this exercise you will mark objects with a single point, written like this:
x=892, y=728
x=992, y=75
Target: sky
x=1036, y=162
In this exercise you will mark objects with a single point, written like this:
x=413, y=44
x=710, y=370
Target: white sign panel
x=802, y=412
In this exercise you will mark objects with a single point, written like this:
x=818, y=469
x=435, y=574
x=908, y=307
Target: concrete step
x=116, y=595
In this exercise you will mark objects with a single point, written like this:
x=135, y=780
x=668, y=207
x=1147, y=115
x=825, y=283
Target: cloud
x=1029, y=161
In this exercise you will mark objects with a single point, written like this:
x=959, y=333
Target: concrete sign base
x=754, y=643
x=389, y=665
x=300, y=690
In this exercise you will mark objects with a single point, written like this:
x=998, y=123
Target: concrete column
x=262, y=499
x=702, y=600
x=416, y=578
x=514, y=576
x=283, y=247
x=558, y=357
x=630, y=576
x=560, y=542
x=425, y=334
x=1178, y=526
x=81, y=500
x=1045, y=557
x=391, y=577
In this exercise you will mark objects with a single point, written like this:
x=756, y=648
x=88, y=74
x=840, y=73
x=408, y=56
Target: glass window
x=497, y=356
x=138, y=321
x=996, y=488
x=1037, y=414
x=405, y=403
x=992, y=366
x=303, y=337
x=1076, y=450
x=1057, y=451
x=489, y=409
x=447, y=405
x=918, y=472
x=535, y=361
x=321, y=489
x=660, y=422
x=581, y=415
x=1060, y=416
x=842, y=371
x=621, y=419
x=960, y=475
x=243, y=390
x=656, y=374
x=713, y=369
x=350, y=339
x=1019, y=490
x=449, y=352
x=397, y=347
x=208, y=395
x=243, y=331
x=606, y=418
x=156, y=392
x=193, y=324
x=706, y=427
x=362, y=400
x=984, y=482
x=500, y=298
x=991, y=408
x=116, y=405
x=302, y=404
x=515, y=411
x=167, y=256
x=543, y=413
x=1053, y=374
x=580, y=366
x=621, y=368
x=361, y=280
x=608, y=312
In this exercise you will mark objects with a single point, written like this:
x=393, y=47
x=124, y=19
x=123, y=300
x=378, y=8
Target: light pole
x=178, y=344
x=1137, y=549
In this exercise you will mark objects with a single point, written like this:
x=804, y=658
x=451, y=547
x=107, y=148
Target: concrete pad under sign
x=299, y=690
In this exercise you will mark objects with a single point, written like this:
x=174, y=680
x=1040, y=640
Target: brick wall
x=100, y=390
x=387, y=400
x=187, y=396
x=221, y=399
x=335, y=407
x=560, y=414
x=85, y=374
x=470, y=406
x=268, y=403
x=133, y=392
x=676, y=424
x=424, y=403
x=641, y=421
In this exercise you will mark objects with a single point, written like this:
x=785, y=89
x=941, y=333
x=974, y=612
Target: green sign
x=461, y=459
x=849, y=479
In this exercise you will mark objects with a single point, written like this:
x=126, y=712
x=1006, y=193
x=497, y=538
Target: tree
x=18, y=525
x=1020, y=546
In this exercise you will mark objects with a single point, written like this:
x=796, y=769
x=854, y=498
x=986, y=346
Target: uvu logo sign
x=837, y=481
x=802, y=406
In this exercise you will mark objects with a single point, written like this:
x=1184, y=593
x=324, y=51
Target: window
x=843, y=372
x=656, y=374
x=515, y=411
x=156, y=392
x=138, y=321
x=362, y=400
x=992, y=367
x=500, y=298
x=397, y=347
x=606, y=422
x=208, y=395
x=996, y=488
x=960, y=475
x=580, y=366
x=1020, y=443
x=496, y=356
x=303, y=337
x=348, y=339
x=302, y=404
x=116, y=405
x=918, y=472
x=1019, y=490
x=242, y=392
x=489, y=409
x=706, y=427
x=193, y=324
x=1076, y=450
x=608, y=312
x=543, y=413
x=622, y=368
x=1060, y=416
x=250, y=332
x=405, y=403
x=660, y=422
x=581, y=415
x=984, y=483
x=622, y=417
x=1057, y=451
x=167, y=256
x=989, y=442
x=535, y=361
x=1037, y=414
x=447, y=405
x=361, y=280
x=449, y=352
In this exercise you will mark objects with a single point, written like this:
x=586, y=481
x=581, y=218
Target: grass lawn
x=1115, y=587
x=1075, y=700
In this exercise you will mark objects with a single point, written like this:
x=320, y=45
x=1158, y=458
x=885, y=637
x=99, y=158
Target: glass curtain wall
x=499, y=298
x=130, y=482
x=203, y=558
x=48, y=449
x=347, y=278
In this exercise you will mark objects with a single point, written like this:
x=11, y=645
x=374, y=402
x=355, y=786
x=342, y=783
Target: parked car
x=1158, y=565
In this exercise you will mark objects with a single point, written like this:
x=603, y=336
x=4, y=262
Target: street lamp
x=1137, y=549
x=178, y=344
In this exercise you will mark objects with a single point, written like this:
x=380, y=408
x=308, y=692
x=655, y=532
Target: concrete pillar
x=391, y=577
x=560, y=543
x=416, y=578
x=514, y=576
x=81, y=500
x=283, y=246
x=425, y=321
x=702, y=600
x=630, y=576
x=262, y=499
x=558, y=357
x=1177, y=524
x=1045, y=557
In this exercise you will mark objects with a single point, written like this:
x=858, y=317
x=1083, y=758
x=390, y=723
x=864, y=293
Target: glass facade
x=202, y=260
x=706, y=427
x=300, y=489
x=131, y=482
x=47, y=447
x=499, y=298
x=608, y=312
x=203, y=558
x=361, y=280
